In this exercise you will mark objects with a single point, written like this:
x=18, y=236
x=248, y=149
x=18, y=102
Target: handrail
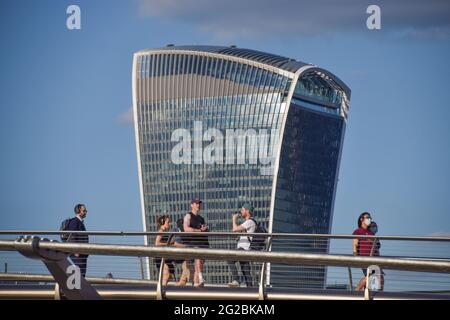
x=32, y=277
x=236, y=255
x=214, y=233
x=191, y=293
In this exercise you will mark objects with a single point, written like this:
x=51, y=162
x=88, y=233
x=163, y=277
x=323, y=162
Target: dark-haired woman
x=363, y=247
x=163, y=225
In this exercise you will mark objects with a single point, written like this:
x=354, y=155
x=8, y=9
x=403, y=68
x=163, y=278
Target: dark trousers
x=246, y=271
x=80, y=262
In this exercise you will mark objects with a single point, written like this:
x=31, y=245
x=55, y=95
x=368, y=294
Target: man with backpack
x=77, y=224
x=244, y=243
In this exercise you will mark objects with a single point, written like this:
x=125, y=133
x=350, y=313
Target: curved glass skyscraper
x=288, y=118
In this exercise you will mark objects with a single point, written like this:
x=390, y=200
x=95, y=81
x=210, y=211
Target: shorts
x=197, y=245
x=373, y=271
x=169, y=263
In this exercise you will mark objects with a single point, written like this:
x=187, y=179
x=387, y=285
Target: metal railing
x=293, y=256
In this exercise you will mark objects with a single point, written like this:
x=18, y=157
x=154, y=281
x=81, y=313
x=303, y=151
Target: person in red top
x=363, y=247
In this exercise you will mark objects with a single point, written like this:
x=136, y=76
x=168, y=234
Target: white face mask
x=367, y=221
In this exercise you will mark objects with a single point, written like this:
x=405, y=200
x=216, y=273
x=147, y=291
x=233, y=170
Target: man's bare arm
x=186, y=224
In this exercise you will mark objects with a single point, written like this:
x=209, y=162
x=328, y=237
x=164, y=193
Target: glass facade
x=305, y=189
x=173, y=89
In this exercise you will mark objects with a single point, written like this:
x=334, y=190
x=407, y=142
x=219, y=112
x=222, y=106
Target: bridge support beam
x=72, y=284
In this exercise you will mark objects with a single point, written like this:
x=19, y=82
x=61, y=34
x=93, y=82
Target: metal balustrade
x=295, y=266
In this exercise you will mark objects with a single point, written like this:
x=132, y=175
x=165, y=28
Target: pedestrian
x=194, y=222
x=77, y=224
x=163, y=225
x=363, y=247
x=244, y=243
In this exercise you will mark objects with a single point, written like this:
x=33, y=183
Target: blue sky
x=65, y=136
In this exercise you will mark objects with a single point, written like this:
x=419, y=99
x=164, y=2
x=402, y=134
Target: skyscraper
x=298, y=110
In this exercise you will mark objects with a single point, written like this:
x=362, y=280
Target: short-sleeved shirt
x=364, y=245
x=244, y=241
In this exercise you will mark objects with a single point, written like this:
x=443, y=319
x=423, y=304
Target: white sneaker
x=233, y=284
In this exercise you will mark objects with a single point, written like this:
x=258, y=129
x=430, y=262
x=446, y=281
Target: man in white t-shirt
x=248, y=226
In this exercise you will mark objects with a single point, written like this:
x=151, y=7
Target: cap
x=196, y=200
x=248, y=206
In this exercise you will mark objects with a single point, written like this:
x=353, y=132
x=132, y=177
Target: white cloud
x=440, y=234
x=126, y=117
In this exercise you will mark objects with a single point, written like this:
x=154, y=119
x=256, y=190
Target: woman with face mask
x=363, y=247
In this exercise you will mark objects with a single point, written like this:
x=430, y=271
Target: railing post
x=350, y=278
x=262, y=279
x=142, y=268
x=160, y=295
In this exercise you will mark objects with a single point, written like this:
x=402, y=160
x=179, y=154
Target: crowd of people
x=193, y=222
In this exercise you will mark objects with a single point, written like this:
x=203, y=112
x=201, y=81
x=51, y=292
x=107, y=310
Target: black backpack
x=64, y=225
x=258, y=243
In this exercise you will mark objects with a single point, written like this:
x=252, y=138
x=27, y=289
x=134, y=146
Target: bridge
x=292, y=266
